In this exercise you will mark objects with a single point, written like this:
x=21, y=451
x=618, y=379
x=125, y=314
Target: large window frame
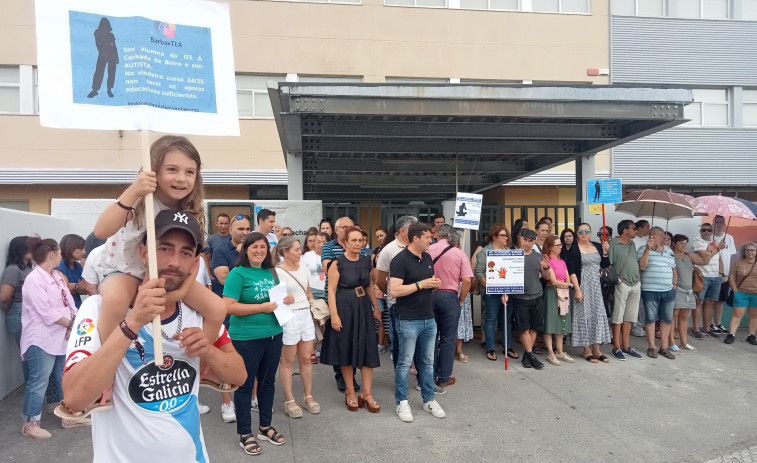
x=255, y=92
x=749, y=105
x=10, y=80
x=705, y=105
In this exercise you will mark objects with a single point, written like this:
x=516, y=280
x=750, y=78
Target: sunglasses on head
x=583, y=232
x=242, y=216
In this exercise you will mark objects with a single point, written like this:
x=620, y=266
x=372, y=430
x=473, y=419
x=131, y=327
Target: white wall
x=81, y=213
x=14, y=223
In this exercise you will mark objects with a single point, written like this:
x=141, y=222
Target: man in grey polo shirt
x=625, y=310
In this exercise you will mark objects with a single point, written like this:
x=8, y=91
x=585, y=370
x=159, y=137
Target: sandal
x=512, y=354
x=313, y=359
x=602, y=358
x=352, y=403
x=103, y=403
x=689, y=347
x=275, y=438
x=462, y=358
x=371, y=405
x=220, y=386
x=249, y=444
x=491, y=355
x=313, y=407
x=591, y=359
x=292, y=411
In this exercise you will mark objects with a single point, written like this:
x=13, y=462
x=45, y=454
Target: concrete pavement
x=699, y=407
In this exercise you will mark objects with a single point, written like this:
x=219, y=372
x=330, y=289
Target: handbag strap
x=295, y=279
x=275, y=276
x=747, y=276
x=440, y=255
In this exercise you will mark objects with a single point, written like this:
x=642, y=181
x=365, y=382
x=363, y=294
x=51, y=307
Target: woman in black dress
x=350, y=340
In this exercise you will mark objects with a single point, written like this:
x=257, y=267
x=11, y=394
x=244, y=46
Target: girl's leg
x=306, y=368
x=558, y=342
x=672, y=336
x=367, y=374
x=210, y=306
x=752, y=320
x=548, y=344
x=117, y=291
x=738, y=314
x=266, y=374
x=683, y=326
x=459, y=347
x=288, y=353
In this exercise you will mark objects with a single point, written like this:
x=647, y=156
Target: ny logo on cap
x=181, y=217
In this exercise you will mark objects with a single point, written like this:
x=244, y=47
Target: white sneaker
x=34, y=430
x=404, y=412
x=254, y=404
x=228, y=413
x=433, y=407
x=203, y=408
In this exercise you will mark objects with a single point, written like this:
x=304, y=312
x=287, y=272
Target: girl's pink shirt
x=559, y=267
x=42, y=305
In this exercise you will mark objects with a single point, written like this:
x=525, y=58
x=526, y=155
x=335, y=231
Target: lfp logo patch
x=167, y=29
x=85, y=327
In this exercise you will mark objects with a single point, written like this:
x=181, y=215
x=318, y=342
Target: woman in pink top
x=48, y=311
x=557, y=319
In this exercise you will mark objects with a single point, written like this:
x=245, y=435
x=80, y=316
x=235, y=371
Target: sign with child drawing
x=164, y=66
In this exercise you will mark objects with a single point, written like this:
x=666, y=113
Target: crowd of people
x=408, y=298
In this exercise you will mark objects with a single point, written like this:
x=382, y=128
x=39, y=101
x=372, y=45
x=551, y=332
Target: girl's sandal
x=249, y=444
x=313, y=406
x=105, y=402
x=292, y=411
x=275, y=438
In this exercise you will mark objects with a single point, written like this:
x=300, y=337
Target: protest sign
x=164, y=66
x=609, y=190
x=505, y=271
x=468, y=211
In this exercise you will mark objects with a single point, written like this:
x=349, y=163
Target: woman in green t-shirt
x=256, y=335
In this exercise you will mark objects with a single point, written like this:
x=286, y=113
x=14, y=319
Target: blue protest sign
x=604, y=191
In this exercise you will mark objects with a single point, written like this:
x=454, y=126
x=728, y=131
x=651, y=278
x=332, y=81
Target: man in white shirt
x=267, y=226
x=382, y=277
x=726, y=254
x=154, y=415
x=712, y=272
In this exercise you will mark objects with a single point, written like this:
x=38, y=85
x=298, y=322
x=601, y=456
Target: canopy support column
x=585, y=170
x=295, y=181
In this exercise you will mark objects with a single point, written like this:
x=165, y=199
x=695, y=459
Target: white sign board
x=504, y=271
x=297, y=215
x=468, y=211
x=165, y=66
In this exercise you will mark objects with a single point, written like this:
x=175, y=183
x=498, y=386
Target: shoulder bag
x=729, y=300
x=697, y=281
x=608, y=276
x=318, y=307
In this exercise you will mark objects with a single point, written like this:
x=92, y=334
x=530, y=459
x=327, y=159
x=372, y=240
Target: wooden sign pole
x=152, y=254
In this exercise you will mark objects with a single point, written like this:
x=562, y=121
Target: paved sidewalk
x=699, y=407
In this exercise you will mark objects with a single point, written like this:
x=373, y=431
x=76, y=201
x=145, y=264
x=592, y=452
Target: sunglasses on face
x=706, y=230
x=286, y=234
x=583, y=232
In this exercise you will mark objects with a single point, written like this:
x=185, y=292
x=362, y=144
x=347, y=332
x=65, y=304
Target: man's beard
x=178, y=278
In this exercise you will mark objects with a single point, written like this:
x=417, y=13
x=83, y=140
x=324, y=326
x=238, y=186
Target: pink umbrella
x=722, y=205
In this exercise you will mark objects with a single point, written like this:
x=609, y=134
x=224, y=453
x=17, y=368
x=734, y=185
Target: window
x=749, y=106
x=487, y=82
x=560, y=6
x=708, y=9
x=501, y=5
x=252, y=95
x=18, y=204
x=749, y=10
x=355, y=2
x=10, y=90
x=426, y=3
x=710, y=108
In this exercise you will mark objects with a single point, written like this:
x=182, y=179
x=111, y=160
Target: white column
x=295, y=189
x=585, y=170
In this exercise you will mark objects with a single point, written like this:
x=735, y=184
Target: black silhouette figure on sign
x=462, y=210
x=597, y=191
x=107, y=55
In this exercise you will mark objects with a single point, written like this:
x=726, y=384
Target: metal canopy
x=411, y=142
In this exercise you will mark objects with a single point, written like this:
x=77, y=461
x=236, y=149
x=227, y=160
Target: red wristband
x=127, y=331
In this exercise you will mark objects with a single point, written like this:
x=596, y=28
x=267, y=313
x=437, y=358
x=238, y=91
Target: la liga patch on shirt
x=162, y=388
